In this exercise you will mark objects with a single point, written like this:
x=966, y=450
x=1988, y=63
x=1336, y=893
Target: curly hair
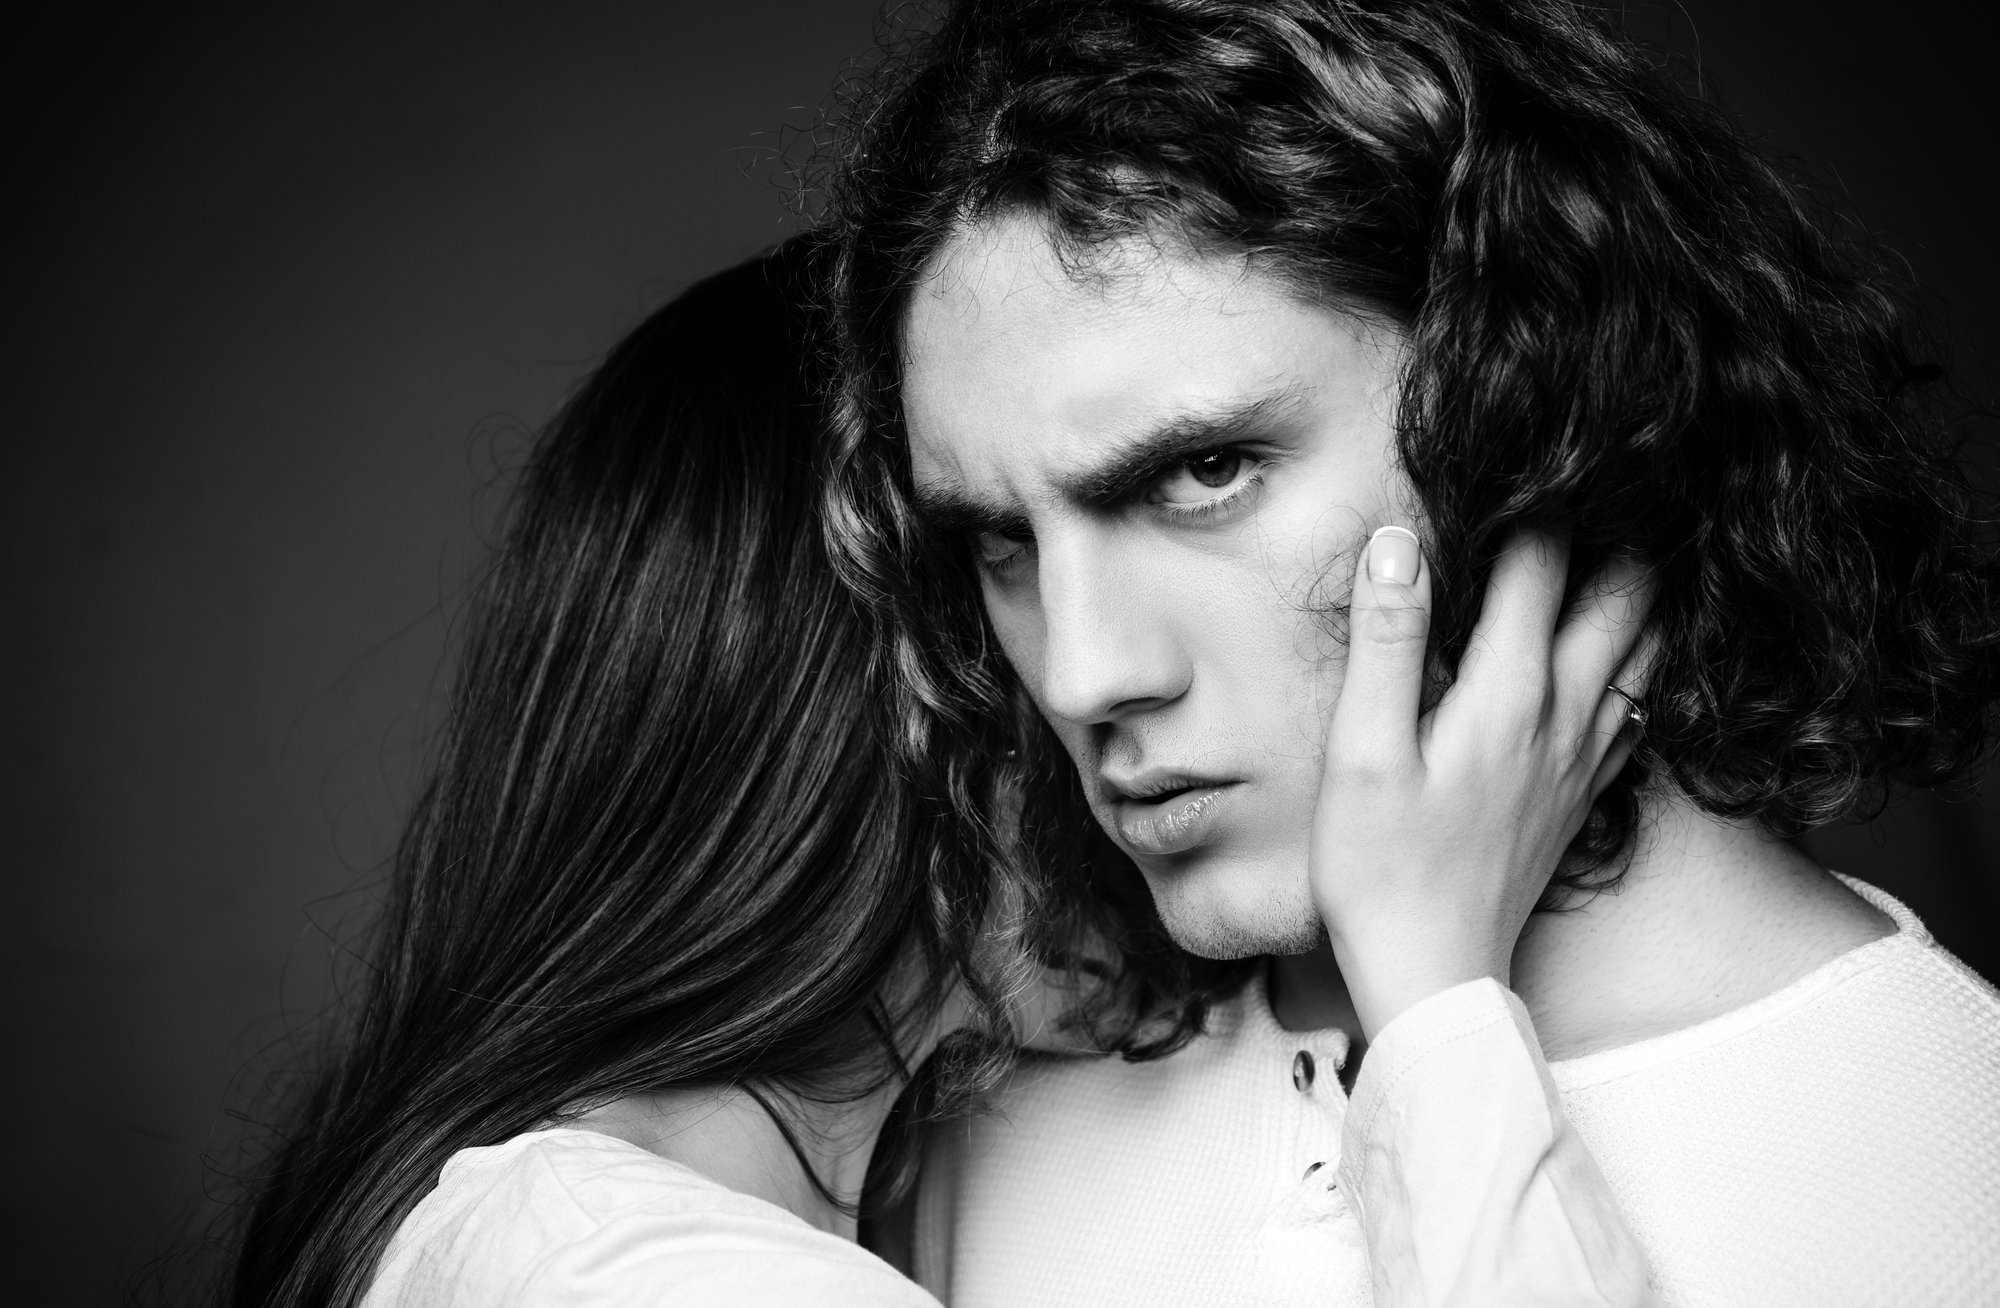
x=1622, y=324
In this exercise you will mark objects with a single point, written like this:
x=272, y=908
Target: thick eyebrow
x=948, y=510
x=1123, y=472
x=1137, y=463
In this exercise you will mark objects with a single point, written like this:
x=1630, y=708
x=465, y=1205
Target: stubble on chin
x=1211, y=926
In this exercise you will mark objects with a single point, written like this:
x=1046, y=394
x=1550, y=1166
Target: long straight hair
x=661, y=846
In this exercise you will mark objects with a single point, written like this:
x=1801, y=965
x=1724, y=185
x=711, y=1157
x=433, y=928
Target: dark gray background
x=291, y=290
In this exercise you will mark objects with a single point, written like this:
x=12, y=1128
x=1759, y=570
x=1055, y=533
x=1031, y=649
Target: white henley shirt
x=1837, y=1142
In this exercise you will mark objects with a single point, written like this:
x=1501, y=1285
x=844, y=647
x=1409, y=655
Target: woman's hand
x=1435, y=836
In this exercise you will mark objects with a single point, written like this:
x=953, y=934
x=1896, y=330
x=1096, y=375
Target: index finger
x=1510, y=644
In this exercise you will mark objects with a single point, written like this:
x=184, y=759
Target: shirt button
x=1302, y=1071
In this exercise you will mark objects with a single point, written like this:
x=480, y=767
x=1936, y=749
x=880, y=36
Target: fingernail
x=1393, y=555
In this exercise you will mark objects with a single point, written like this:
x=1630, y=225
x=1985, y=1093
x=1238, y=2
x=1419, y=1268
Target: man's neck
x=1708, y=917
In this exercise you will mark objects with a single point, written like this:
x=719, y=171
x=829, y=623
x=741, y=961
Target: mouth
x=1167, y=815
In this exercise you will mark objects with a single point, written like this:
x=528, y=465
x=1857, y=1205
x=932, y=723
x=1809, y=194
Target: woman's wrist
x=1385, y=981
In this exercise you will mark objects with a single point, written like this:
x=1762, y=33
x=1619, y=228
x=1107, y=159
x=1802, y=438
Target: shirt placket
x=1309, y=1244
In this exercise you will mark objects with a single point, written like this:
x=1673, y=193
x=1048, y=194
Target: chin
x=1223, y=908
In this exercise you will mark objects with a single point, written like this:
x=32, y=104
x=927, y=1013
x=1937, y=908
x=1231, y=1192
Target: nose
x=1108, y=650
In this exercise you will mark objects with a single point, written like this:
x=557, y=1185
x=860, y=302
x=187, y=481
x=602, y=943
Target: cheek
x=1277, y=637
x=1017, y=623
x=1275, y=660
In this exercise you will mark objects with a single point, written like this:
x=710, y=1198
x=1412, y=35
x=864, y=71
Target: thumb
x=1389, y=624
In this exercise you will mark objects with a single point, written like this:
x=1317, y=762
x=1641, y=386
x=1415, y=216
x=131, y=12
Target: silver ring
x=1633, y=713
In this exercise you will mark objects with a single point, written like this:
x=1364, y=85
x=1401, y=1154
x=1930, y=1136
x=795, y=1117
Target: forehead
x=1019, y=369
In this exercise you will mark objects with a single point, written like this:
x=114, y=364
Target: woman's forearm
x=1470, y=1183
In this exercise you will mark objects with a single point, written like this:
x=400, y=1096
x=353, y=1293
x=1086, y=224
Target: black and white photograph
x=1003, y=654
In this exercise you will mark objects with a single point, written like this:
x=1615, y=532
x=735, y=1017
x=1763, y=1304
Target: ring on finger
x=1633, y=712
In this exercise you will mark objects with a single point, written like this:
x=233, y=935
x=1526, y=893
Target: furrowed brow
x=1179, y=437
x=947, y=507
x=948, y=510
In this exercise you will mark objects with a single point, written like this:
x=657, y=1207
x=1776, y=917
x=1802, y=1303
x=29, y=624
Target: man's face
x=1165, y=467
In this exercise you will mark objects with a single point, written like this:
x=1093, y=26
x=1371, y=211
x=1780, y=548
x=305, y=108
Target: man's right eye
x=999, y=552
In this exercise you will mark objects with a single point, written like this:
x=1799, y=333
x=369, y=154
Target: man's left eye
x=1201, y=477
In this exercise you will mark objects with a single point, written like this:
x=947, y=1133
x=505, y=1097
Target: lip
x=1169, y=817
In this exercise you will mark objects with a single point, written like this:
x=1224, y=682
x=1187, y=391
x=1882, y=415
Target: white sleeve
x=1470, y=1184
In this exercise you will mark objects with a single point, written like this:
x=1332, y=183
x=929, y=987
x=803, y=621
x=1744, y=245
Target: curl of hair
x=1622, y=325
